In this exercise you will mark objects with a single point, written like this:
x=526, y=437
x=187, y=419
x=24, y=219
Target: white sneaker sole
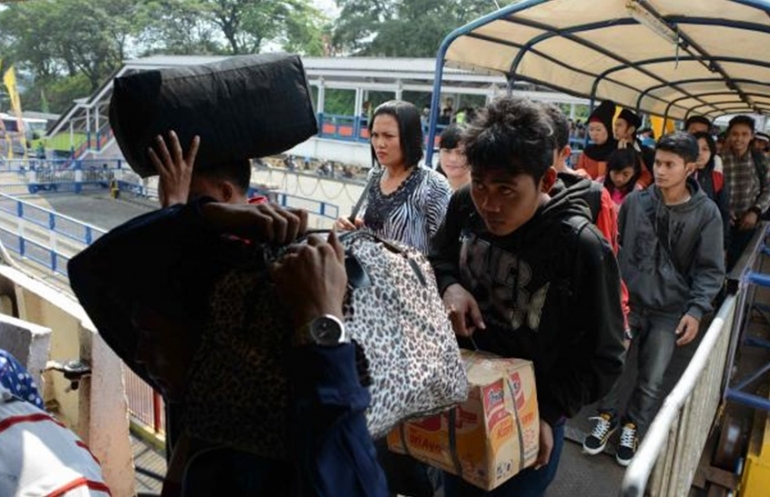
x=593, y=452
x=623, y=462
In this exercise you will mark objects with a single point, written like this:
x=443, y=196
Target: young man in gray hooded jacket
x=673, y=264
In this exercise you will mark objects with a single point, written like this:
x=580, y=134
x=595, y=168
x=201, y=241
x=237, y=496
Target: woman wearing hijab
x=593, y=160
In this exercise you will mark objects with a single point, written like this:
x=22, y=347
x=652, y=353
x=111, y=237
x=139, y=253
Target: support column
x=359, y=102
x=98, y=129
x=72, y=140
x=572, y=111
x=321, y=96
x=88, y=128
x=78, y=176
x=358, y=120
x=399, y=89
x=320, y=106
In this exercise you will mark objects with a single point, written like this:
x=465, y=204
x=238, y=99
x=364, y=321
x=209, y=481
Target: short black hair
x=561, y=126
x=742, y=119
x=511, y=134
x=237, y=172
x=680, y=143
x=409, y=128
x=620, y=159
x=450, y=137
x=697, y=120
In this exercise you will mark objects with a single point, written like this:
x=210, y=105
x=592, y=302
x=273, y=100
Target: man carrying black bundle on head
x=180, y=179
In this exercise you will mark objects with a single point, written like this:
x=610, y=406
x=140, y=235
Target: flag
x=10, y=83
x=656, y=123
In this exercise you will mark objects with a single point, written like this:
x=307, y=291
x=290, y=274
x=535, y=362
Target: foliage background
x=66, y=49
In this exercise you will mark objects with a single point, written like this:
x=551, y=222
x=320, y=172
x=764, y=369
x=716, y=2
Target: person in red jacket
x=593, y=161
x=603, y=211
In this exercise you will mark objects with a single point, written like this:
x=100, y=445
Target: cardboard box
x=490, y=437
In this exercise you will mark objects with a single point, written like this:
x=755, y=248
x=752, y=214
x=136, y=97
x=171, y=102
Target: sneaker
x=605, y=426
x=629, y=441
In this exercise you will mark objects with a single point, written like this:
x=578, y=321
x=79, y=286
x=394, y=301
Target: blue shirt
x=15, y=378
x=334, y=452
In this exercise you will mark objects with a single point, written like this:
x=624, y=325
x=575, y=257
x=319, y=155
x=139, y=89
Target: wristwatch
x=325, y=330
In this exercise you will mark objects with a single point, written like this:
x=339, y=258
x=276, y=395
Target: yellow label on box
x=490, y=437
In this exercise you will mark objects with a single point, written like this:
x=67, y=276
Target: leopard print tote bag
x=238, y=390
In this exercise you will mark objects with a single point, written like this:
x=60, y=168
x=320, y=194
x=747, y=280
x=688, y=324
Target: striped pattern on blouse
x=413, y=213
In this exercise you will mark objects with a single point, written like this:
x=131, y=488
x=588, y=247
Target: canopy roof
x=666, y=57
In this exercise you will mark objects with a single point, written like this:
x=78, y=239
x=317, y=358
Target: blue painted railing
x=355, y=128
x=26, y=213
x=25, y=165
x=53, y=221
x=351, y=128
x=315, y=207
x=56, y=225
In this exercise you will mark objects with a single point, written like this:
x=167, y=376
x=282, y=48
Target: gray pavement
x=99, y=210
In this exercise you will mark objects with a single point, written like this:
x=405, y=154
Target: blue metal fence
x=351, y=128
x=84, y=234
x=58, y=223
x=52, y=223
x=316, y=207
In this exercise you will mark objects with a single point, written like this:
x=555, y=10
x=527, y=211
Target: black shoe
x=605, y=426
x=629, y=442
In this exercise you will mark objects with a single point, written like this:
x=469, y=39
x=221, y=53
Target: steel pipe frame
x=504, y=13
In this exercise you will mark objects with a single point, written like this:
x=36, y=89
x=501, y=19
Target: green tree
x=55, y=38
x=70, y=47
x=176, y=27
x=248, y=25
x=402, y=28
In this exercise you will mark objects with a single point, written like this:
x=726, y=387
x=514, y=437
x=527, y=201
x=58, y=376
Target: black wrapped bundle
x=242, y=107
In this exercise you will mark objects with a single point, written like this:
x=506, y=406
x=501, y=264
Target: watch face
x=326, y=331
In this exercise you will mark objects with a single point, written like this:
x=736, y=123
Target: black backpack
x=594, y=200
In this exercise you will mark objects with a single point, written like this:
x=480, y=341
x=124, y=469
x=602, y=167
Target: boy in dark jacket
x=526, y=275
x=673, y=264
x=602, y=209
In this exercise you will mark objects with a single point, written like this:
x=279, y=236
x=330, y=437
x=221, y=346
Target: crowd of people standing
x=566, y=267
x=680, y=211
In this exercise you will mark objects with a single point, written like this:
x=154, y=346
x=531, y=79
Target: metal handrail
x=638, y=472
x=52, y=215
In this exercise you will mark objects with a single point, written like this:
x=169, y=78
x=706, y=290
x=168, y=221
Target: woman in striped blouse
x=405, y=202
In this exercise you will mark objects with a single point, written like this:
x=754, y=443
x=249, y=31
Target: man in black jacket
x=527, y=275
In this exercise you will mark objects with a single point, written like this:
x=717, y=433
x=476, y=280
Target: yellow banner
x=656, y=123
x=10, y=83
